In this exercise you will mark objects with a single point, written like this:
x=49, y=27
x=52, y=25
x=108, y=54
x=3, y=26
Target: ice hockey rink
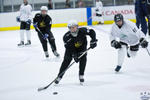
x=24, y=69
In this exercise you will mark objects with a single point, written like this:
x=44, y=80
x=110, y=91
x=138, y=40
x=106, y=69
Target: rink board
x=61, y=17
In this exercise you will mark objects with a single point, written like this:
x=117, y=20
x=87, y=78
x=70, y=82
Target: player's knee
x=52, y=39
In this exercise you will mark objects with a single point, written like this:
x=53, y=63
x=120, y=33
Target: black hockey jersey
x=43, y=22
x=79, y=43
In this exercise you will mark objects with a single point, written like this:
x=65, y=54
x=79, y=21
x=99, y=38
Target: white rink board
x=109, y=12
x=64, y=15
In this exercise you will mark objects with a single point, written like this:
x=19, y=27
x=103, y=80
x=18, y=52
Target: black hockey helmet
x=118, y=17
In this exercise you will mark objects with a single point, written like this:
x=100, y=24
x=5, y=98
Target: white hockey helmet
x=72, y=23
x=44, y=8
x=73, y=30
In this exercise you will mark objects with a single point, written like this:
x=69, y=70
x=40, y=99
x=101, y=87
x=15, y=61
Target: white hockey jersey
x=99, y=7
x=25, y=12
x=128, y=33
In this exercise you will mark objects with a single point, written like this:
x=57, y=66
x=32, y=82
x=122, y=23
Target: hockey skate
x=118, y=68
x=81, y=79
x=57, y=80
x=28, y=43
x=56, y=53
x=100, y=23
x=21, y=43
x=46, y=54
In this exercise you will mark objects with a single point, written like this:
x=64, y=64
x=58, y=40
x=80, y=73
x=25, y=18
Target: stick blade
x=40, y=89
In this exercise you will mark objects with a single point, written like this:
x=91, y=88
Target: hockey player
x=25, y=18
x=75, y=42
x=42, y=23
x=130, y=38
x=98, y=10
x=148, y=15
x=141, y=11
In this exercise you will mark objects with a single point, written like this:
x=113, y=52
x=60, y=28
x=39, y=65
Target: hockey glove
x=75, y=57
x=93, y=43
x=35, y=25
x=18, y=19
x=28, y=21
x=143, y=43
x=45, y=36
x=116, y=44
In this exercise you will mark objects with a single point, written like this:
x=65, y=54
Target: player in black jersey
x=75, y=42
x=42, y=23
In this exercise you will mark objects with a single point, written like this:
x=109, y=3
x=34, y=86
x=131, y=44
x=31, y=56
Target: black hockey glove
x=143, y=43
x=116, y=44
x=93, y=43
x=18, y=19
x=76, y=57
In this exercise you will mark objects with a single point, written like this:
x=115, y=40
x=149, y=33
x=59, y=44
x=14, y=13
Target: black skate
x=118, y=68
x=21, y=43
x=81, y=79
x=57, y=80
x=46, y=54
x=28, y=43
x=100, y=23
x=56, y=53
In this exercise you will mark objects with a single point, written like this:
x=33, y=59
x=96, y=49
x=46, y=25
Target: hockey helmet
x=72, y=23
x=118, y=17
x=72, y=28
x=44, y=8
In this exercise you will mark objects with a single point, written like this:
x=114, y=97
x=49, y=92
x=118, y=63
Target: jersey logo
x=42, y=24
x=78, y=44
x=123, y=36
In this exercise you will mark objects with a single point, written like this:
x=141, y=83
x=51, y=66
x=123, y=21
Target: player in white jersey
x=98, y=10
x=25, y=18
x=127, y=38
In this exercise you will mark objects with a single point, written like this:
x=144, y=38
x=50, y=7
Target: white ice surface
x=23, y=70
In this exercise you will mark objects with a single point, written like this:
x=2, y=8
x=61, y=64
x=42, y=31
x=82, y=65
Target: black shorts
x=134, y=48
x=24, y=26
x=98, y=15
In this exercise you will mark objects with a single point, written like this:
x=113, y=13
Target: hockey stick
x=89, y=18
x=43, y=88
x=39, y=31
x=148, y=51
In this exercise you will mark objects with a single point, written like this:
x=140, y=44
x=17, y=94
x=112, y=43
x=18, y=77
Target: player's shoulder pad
x=48, y=18
x=83, y=29
x=86, y=29
x=129, y=23
x=67, y=34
